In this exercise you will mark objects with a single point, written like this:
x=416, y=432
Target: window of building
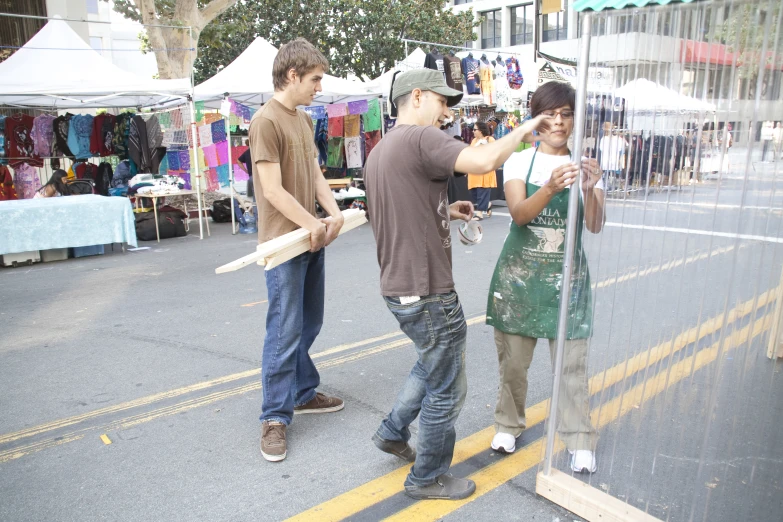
x=490, y=29
x=92, y=6
x=597, y=26
x=96, y=43
x=554, y=26
x=631, y=23
x=460, y=2
x=522, y=22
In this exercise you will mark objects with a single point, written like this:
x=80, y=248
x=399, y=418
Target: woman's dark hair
x=552, y=95
x=58, y=182
x=483, y=127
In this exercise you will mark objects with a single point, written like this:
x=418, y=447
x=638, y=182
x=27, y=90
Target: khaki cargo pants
x=515, y=354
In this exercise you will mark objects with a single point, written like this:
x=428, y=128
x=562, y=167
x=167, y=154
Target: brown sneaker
x=273, y=446
x=321, y=404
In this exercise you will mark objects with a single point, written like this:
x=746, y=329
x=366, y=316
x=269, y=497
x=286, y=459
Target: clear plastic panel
x=684, y=273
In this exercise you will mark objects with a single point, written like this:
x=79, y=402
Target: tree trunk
x=172, y=44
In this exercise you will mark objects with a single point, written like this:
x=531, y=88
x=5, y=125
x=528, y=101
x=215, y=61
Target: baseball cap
x=426, y=80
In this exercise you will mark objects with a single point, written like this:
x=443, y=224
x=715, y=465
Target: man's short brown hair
x=300, y=55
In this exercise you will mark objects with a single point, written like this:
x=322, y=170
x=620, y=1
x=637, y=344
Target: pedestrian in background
x=407, y=177
x=481, y=185
x=767, y=135
x=289, y=182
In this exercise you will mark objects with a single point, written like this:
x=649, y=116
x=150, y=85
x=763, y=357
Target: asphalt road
x=156, y=352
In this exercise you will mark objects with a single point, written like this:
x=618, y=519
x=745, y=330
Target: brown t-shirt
x=407, y=196
x=281, y=135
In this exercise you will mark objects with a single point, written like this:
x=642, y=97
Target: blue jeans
x=436, y=386
x=296, y=313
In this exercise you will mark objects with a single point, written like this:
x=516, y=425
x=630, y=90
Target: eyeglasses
x=566, y=115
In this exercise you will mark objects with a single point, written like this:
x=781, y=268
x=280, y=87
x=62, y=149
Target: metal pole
x=570, y=246
x=195, y=166
x=194, y=137
x=226, y=118
x=536, y=28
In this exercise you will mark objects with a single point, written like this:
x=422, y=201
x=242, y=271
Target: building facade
x=682, y=53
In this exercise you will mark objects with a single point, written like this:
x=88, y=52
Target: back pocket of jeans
x=417, y=326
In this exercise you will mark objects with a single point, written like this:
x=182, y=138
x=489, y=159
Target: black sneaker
x=396, y=448
x=446, y=487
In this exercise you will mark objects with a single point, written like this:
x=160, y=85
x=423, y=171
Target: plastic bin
x=54, y=254
x=94, y=250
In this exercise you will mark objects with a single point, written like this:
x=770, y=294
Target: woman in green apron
x=525, y=290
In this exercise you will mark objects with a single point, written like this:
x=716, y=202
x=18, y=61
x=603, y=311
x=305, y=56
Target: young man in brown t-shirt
x=407, y=184
x=288, y=182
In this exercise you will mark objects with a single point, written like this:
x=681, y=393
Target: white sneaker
x=504, y=443
x=583, y=460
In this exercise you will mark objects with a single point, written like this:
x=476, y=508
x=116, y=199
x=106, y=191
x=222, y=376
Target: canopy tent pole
x=225, y=109
x=570, y=242
x=194, y=162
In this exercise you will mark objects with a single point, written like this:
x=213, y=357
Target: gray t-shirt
x=406, y=177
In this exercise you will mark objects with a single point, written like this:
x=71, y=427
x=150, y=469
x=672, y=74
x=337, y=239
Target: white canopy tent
x=248, y=80
x=642, y=95
x=56, y=69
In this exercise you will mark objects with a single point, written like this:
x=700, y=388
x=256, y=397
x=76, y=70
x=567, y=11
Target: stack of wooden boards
x=288, y=246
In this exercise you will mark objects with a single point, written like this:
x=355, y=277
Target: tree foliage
x=743, y=31
x=360, y=37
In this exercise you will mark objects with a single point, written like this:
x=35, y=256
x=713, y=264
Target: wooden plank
x=284, y=243
x=586, y=501
x=775, y=346
x=300, y=249
x=301, y=246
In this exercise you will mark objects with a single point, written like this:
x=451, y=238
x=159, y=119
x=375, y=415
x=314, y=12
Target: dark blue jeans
x=296, y=313
x=480, y=197
x=437, y=385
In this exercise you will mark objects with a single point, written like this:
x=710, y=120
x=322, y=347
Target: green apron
x=524, y=293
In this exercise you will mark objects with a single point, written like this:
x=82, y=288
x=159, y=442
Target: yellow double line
x=399, y=341
x=127, y=422
x=382, y=488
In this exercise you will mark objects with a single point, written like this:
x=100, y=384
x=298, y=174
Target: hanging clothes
x=138, y=145
x=26, y=180
x=513, y=73
x=7, y=189
x=103, y=178
x=2, y=141
x=501, y=87
x=43, y=134
x=79, y=134
x=154, y=133
x=470, y=70
x=487, y=87
x=434, y=60
x=61, y=127
x=20, y=146
x=121, y=134
x=102, y=139
x=453, y=69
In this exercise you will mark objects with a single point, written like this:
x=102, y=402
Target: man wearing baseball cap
x=407, y=179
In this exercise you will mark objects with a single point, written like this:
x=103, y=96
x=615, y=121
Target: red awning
x=703, y=52
x=692, y=51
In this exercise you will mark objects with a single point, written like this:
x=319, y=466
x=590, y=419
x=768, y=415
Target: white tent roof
x=57, y=69
x=643, y=95
x=415, y=60
x=248, y=80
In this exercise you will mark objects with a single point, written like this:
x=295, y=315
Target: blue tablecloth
x=69, y=221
